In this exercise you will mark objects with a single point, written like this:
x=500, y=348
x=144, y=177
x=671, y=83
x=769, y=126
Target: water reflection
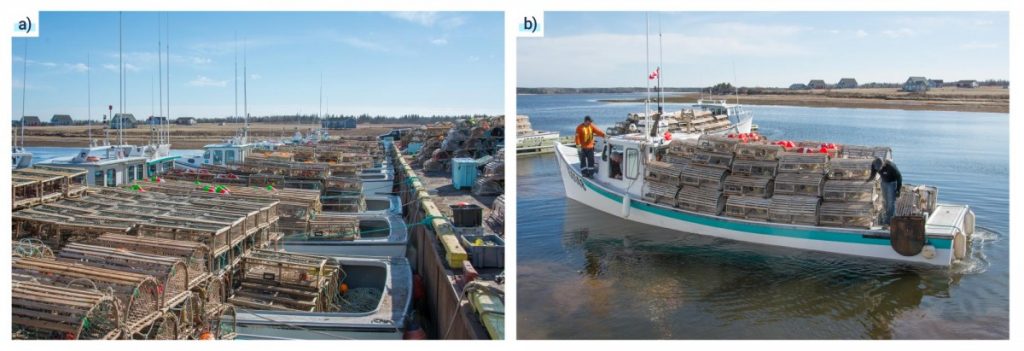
x=751, y=291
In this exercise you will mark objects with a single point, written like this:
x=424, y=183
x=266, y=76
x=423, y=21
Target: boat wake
x=977, y=262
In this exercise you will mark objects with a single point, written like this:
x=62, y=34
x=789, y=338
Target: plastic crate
x=463, y=172
x=489, y=255
x=467, y=215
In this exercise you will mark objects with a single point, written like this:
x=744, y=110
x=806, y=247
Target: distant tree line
x=364, y=118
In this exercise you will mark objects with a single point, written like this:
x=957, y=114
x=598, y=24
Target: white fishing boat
x=20, y=157
x=529, y=141
x=382, y=318
x=947, y=227
x=681, y=181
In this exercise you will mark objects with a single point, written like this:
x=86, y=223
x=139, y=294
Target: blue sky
x=377, y=63
x=602, y=49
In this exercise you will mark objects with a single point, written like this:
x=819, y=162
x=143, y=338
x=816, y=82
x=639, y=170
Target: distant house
x=798, y=86
x=31, y=121
x=846, y=83
x=935, y=83
x=817, y=84
x=967, y=84
x=185, y=121
x=125, y=120
x=156, y=120
x=915, y=85
x=338, y=123
x=61, y=120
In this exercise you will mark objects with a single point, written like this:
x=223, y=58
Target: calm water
x=586, y=275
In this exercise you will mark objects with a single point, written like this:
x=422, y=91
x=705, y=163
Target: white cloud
x=439, y=41
x=430, y=19
x=203, y=81
x=77, y=67
x=422, y=18
x=899, y=33
x=363, y=44
x=474, y=58
x=255, y=76
x=860, y=33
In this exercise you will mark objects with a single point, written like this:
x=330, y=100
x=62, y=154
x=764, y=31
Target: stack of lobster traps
x=851, y=199
x=750, y=186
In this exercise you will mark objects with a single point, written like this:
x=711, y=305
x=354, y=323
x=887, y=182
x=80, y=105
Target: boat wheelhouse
x=105, y=165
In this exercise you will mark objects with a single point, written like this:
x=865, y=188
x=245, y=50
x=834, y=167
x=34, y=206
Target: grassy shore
x=985, y=99
x=184, y=137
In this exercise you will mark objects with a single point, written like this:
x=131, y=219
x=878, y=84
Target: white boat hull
x=866, y=243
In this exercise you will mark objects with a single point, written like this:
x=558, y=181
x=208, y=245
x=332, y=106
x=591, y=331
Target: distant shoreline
x=188, y=137
x=994, y=100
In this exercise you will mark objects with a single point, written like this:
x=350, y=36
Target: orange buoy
x=343, y=288
x=206, y=335
x=414, y=332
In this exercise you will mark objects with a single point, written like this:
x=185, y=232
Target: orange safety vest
x=585, y=135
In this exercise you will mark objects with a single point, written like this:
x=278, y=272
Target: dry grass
x=185, y=137
x=983, y=99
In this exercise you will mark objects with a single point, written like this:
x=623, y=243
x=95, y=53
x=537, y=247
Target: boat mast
x=661, y=98
x=167, y=121
x=245, y=91
x=319, y=113
x=121, y=80
x=160, y=60
x=88, y=85
x=24, y=82
x=647, y=68
x=236, y=75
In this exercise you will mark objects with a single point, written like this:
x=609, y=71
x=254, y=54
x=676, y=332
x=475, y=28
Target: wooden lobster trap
x=916, y=200
x=747, y=207
x=851, y=190
x=31, y=247
x=704, y=177
x=848, y=214
x=675, y=159
x=224, y=325
x=869, y=152
x=684, y=148
x=170, y=273
x=712, y=159
x=44, y=311
x=698, y=199
x=333, y=227
x=662, y=193
x=758, y=151
x=284, y=281
x=717, y=143
x=850, y=168
x=805, y=184
x=748, y=186
x=791, y=162
x=794, y=209
x=663, y=172
x=138, y=295
x=196, y=256
x=755, y=168
x=164, y=328
x=55, y=229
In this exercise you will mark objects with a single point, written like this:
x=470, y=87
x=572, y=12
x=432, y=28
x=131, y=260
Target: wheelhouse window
x=218, y=157
x=229, y=156
x=111, y=177
x=632, y=163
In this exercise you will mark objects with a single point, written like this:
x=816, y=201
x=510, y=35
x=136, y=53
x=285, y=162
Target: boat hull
x=865, y=243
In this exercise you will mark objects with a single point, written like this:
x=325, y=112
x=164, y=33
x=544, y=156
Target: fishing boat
x=631, y=184
x=377, y=233
x=381, y=315
x=739, y=186
x=529, y=141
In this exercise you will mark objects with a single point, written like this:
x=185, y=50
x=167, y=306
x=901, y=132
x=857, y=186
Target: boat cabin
x=105, y=165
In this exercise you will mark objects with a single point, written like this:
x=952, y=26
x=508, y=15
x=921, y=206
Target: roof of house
x=916, y=80
x=31, y=119
x=847, y=80
x=817, y=81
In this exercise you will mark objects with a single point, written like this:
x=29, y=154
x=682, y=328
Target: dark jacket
x=888, y=173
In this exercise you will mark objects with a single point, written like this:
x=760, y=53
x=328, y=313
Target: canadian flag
x=654, y=74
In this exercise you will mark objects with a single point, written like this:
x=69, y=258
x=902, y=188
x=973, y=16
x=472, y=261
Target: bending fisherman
x=892, y=182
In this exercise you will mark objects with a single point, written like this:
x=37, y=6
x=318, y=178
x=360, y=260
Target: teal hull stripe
x=758, y=229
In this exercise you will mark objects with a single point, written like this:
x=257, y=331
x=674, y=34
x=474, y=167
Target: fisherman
x=585, y=133
x=892, y=182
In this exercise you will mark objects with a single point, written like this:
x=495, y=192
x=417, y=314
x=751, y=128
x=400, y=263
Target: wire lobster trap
x=285, y=281
x=171, y=273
